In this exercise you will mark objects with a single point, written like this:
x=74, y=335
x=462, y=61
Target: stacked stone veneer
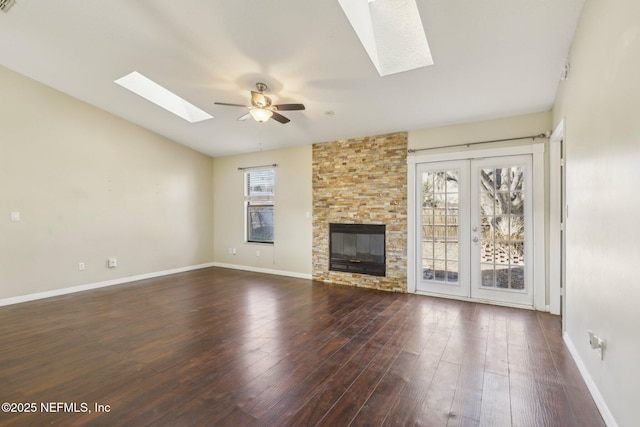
x=362, y=181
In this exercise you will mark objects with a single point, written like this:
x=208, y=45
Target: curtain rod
x=257, y=167
x=468, y=144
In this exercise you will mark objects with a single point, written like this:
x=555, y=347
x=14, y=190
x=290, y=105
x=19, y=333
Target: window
x=258, y=201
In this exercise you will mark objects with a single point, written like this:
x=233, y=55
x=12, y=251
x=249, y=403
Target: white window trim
x=269, y=200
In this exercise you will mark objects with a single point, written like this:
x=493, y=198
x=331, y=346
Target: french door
x=474, y=220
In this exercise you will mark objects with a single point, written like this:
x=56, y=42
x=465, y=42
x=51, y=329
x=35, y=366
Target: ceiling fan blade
x=230, y=105
x=245, y=117
x=280, y=118
x=290, y=107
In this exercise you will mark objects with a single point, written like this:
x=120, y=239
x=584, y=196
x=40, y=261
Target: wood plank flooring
x=219, y=347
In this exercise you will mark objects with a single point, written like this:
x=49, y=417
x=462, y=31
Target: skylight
x=391, y=32
x=151, y=91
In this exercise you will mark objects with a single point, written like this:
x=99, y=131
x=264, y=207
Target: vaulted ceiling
x=492, y=58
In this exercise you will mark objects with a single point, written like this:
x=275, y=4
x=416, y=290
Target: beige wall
x=510, y=127
x=90, y=186
x=291, y=252
x=600, y=103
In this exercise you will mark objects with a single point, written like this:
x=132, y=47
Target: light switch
x=15, y=216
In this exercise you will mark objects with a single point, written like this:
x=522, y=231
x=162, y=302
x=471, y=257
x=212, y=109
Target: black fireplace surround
x=357, y=248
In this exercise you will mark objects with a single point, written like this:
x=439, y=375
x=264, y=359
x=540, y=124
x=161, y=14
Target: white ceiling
x=492, y=58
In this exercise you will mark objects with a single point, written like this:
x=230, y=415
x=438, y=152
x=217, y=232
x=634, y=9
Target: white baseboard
x=263, y=270
x=607, y=416
x=89, y=286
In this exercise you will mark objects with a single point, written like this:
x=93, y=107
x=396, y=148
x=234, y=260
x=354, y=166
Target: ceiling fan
x=261, y=108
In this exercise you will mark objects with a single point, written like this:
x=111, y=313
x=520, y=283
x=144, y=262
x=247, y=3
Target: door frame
x=557, y=229
x=539, y=254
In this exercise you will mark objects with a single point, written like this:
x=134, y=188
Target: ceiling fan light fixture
x=261, y=114
x=261, y=108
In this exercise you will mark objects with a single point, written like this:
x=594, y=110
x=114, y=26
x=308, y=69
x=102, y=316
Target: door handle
x=474, y=229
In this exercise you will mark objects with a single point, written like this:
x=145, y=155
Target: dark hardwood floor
x=218, y=347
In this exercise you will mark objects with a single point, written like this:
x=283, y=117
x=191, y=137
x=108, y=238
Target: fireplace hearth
x=357, y=248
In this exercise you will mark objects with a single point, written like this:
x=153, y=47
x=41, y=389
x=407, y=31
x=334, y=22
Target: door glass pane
x=439, y=202
x=439, y=270
x=486, y=228
x=452, y=178
x=427, y=270
x=440, y=218
x=502, y=227
x=440, y=248
x=487, y=181
x=427, y=181
x=502, y=277
x=516, y=277
x=501, y=253
x=487, y=204
x=516, y=227
x=427, y=248
x=452, y=250
x=517, y=178
x=488, y=278
x=517, y=254
x=452, y=271
x=502, y=179
x=516, y=202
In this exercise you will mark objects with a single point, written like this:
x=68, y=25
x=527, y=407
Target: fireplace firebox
x=357, y=248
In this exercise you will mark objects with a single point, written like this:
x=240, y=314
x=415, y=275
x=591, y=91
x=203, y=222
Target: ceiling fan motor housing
x=261, y=108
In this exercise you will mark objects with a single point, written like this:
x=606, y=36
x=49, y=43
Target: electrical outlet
x=112, y=262
x=596, y=343
x=81, y=266
x=233, y=251
x=230, y=251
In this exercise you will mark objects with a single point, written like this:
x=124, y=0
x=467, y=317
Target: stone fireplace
x=361, y=181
